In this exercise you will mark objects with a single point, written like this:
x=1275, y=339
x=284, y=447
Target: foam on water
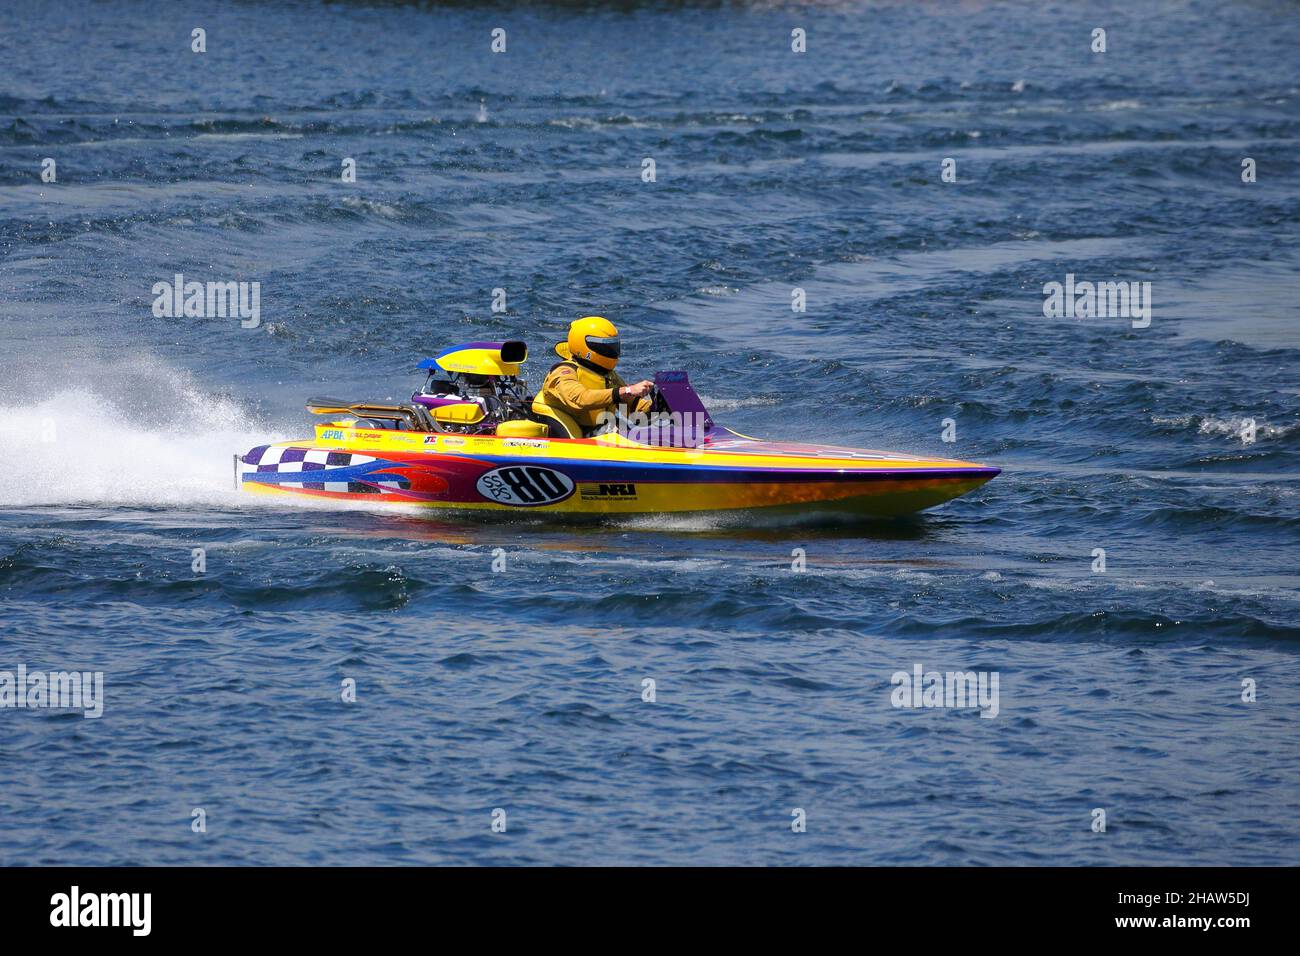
x=137, y=433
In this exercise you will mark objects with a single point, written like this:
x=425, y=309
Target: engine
x=473, y=388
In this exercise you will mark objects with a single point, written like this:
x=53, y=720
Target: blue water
x=522, y=689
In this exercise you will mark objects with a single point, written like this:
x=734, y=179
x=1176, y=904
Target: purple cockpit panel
x=688, y=424
x=678, y=394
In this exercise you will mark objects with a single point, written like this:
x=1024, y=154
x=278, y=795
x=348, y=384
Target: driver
x=585, y=384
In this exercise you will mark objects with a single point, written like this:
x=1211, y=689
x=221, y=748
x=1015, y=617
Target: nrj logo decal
x=615, y=489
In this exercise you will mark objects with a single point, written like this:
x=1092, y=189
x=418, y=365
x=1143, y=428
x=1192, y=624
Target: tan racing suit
x=585, y=393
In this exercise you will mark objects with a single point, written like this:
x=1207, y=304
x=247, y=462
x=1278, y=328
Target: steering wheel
x=657, y=402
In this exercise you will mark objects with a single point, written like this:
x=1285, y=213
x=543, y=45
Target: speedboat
x=474, y=439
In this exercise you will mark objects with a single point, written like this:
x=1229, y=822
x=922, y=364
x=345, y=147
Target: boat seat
x=559, y=423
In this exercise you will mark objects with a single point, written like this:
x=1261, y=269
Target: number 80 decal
x=525, y=486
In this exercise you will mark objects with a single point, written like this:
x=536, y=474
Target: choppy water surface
x=522, y=690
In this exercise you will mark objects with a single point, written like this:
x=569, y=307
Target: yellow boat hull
x=608, y=475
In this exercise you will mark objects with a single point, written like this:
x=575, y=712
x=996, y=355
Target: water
x=522, y=690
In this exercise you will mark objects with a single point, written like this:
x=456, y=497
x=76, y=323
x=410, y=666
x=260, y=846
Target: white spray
x=130, y=433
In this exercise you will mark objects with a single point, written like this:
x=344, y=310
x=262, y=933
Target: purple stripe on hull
x=668, y=473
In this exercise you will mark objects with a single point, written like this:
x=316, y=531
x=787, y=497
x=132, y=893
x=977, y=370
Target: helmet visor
x=608, y=347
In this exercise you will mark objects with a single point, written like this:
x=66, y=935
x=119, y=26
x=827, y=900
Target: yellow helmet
x=593, y=340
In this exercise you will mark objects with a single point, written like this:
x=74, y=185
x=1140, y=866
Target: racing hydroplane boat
x=473, y=439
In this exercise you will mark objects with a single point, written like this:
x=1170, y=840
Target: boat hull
x=601, y=476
